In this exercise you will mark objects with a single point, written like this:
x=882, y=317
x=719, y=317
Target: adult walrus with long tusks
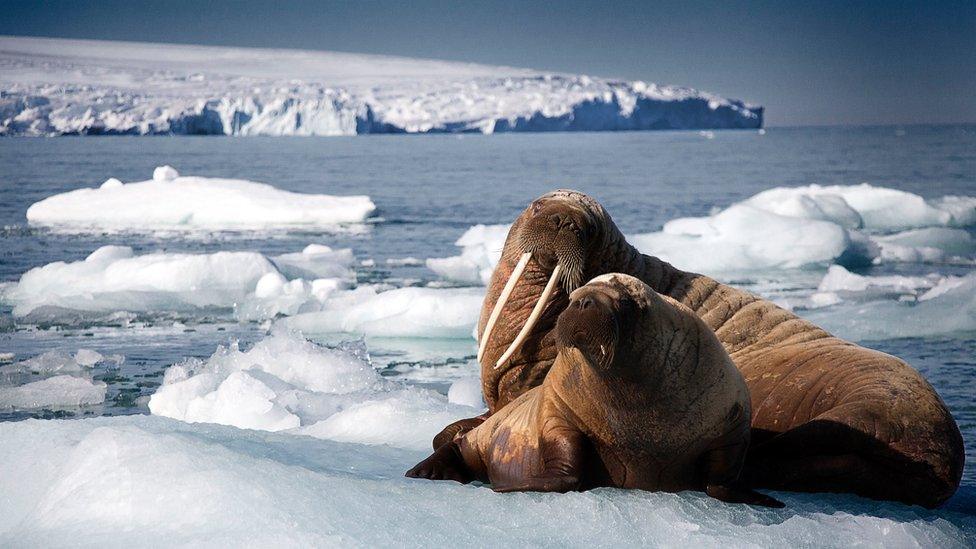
x=827, y=415
x=641, y=395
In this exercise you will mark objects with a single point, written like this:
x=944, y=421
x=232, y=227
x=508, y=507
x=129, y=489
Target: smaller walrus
x=641, y=395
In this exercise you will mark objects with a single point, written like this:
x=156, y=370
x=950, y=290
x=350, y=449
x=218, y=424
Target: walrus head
x=559, y=231
x=600, y=315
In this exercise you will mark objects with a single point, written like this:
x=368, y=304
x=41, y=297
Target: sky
x=819, y=62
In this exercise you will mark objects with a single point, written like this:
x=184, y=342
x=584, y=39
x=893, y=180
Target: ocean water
x=429, y=190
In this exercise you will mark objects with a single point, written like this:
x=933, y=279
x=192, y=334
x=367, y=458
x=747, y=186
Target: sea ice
x=285, y=382
x=171, y=202
x=60, y=391
x=948, y=307
x=481, y=248
x=120, y=481
x=401, y=312
x=112, y=278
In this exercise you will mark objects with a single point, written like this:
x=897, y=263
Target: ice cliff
x=87, y=87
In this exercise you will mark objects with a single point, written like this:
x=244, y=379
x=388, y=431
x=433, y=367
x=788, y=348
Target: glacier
x=89, y=87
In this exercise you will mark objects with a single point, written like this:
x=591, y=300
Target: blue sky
x=816, y=62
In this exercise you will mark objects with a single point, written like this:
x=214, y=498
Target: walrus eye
x=557, y=220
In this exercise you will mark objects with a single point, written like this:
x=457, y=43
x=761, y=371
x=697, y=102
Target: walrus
x=827, y=415
x=641, y=395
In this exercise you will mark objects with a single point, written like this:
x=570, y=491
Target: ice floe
x=401, y=312
x=793, y=227
x=60, y=391
x=171, y=202
x=945, y=307
x=113, y=278
x=481, y=248
x=285, y=382
x=119, y=481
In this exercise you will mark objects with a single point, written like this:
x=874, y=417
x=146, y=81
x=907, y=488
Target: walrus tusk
x=502, y=300
x=533, y=318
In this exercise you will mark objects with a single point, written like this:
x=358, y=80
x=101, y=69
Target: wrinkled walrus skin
x=827, y=415
x=641, y=395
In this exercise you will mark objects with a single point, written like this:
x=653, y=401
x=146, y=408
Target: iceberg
x=171, y=202
x=88, y=87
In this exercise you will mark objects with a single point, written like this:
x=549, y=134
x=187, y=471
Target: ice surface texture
x=287, y=383
x=57, y=87
x=171, y=202
x=123, y=481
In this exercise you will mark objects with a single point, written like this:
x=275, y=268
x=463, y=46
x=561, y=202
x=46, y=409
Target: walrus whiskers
x=533, y=318
x=502, y=300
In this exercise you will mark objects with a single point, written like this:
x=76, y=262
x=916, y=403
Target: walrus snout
x=589, y=324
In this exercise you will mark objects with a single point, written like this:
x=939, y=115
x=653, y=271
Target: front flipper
x=561, y=451
x=721, y=466
x=446, y=463
x=459, y=427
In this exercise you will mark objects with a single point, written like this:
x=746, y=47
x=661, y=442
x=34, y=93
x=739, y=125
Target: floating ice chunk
x=119, y=481
x=466, y=391
x=879, y=208
x=284, y=382
x=62, y=391
x=88, y=357
x=112, y=279
x=317, y=261
x=744, y=237
x=403, y=312
x=840, y=279
x=192, y=203
x=164, y=173
x=929, y=245
x=54, y=362
x=112, y=183
x=807, y=203
x=481, y=248
x=948, y=307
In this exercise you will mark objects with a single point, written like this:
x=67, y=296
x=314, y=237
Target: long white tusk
x=533, y=318
x=502, y=300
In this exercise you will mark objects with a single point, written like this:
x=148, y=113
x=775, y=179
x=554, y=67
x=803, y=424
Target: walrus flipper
x=446, y=463
x=561, y=453
x=722, y=464
x=459, y=427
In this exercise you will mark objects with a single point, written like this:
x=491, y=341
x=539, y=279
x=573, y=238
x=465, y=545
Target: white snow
x=285, y=382
x=55, y=86
x=401, y=312
x=467, y=391
x=120, y=481
x=171, y=202
x=481, y=248
x=61, y=391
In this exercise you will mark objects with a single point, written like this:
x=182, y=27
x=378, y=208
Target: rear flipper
x=735, y=493
x=445, y=463
x=459, y=427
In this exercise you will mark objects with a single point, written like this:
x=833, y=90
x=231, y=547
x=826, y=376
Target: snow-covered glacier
x=86, y=87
